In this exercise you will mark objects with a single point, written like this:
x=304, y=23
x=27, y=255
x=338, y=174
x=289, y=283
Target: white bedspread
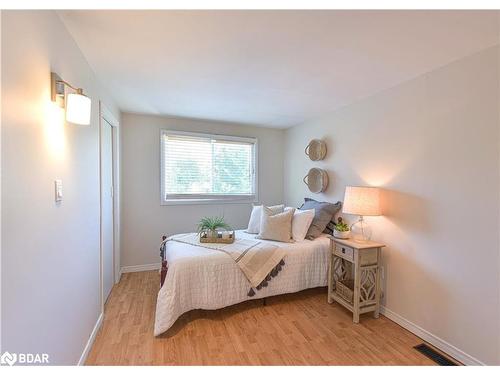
x=200, y=278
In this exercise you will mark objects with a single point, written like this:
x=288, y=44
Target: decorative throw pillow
x=301, y=222
x=276, y=227
x=254, y=223
x=323, y=214
x=330, y=227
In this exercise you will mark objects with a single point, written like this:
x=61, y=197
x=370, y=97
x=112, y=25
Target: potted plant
x=341, y=229
x=208, y=226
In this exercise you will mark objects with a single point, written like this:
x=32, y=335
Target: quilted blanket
x=259, y=261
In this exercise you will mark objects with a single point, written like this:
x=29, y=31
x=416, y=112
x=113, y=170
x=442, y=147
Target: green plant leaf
x=212, y=224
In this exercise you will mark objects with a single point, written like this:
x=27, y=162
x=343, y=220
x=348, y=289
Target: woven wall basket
x=316, y=180
x=316, y=150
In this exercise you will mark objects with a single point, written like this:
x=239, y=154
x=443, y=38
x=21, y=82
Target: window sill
x=178, y=202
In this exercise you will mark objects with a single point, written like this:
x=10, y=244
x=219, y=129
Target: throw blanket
x=258, y=261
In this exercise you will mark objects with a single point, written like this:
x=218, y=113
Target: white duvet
x=201, y=278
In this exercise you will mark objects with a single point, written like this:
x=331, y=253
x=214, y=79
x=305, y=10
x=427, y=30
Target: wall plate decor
x=316, y=150
x=316, y=180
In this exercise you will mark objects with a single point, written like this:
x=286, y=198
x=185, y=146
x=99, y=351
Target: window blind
x=207, y=166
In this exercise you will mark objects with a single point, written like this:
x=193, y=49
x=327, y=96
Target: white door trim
x=106, y=115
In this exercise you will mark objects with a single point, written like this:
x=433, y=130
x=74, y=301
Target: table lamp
x=362, y=201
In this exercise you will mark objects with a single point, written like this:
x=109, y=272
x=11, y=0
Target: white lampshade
x=363, y=201
x=78, y=109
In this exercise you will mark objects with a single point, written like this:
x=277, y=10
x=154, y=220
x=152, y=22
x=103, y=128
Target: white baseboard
x=446, y=347
x=140, y=268
x=90, y=341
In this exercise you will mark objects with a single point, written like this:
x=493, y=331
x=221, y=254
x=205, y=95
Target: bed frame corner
x=164, y=263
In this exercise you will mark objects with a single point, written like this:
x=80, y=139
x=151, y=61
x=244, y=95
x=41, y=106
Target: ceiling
x=268, y=68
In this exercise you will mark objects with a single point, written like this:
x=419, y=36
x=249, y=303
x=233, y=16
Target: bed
x=201, y=278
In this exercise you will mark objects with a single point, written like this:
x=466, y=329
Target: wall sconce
x=77, y=104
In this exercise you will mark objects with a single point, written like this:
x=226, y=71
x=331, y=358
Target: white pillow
x=254, y=222
x=301, y=222
x=276, y=227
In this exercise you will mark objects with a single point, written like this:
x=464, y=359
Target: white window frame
x=203, y=198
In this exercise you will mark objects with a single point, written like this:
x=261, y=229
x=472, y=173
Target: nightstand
x=354, y=276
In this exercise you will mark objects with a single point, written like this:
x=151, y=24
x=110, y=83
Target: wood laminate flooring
x=293, y=329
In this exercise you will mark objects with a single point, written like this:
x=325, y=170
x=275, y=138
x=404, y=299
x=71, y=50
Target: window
x=205, y=168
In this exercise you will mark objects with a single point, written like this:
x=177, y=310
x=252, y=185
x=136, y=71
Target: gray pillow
x=324, y=212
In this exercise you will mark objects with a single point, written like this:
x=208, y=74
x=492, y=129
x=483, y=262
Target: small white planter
x=342, y=235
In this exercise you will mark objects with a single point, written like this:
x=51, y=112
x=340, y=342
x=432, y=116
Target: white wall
x=432, y=143
x=498, y=103
x=50, y=252
x=1, y=277
x=144, y=220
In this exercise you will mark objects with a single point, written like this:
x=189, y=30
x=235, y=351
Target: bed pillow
x=323, y=214
x=254, y=222
x=301, y=222
x=276, y=227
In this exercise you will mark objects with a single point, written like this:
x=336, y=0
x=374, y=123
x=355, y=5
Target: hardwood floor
x=295, y=329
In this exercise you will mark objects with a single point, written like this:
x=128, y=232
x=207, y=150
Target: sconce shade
x=78, y=109
x=363, y=201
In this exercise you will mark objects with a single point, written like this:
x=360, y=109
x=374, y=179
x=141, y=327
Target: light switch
x=58, y=190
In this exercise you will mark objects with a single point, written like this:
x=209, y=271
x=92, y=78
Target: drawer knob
x=343, y=251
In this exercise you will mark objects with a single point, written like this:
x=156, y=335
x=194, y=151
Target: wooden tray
x=218, y=239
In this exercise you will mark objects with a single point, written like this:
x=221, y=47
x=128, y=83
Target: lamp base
x=360, y=231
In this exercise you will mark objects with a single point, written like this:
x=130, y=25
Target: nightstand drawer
x=345, y=252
